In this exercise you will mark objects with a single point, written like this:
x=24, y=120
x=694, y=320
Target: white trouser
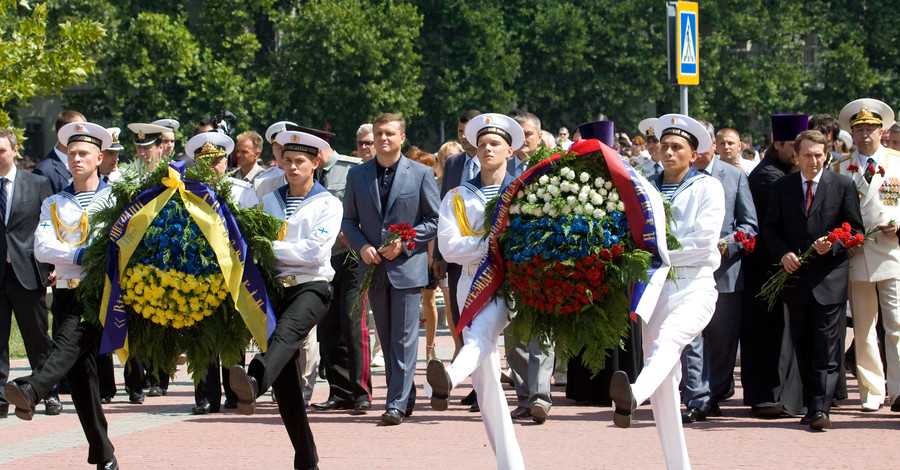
x=480, y=359
x=685, y=307
x=864, y=307
x=309, y=364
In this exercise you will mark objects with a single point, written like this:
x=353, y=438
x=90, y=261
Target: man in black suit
x=55, y=166
x=803, y=208
x=458, y=168
x=23, y=280
x=768, y=368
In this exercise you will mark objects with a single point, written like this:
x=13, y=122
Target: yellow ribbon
x=459, y=209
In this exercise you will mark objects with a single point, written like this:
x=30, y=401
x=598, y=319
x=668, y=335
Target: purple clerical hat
x=600, y=130
x=785, y=127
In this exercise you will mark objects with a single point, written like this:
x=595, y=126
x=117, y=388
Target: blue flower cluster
x=564, y=238
x=174, y=241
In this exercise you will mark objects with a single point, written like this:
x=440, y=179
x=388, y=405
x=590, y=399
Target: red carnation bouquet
x=773, y=287
x=403, y=232
x=747, y=242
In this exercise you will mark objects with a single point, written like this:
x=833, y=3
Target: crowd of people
x=819, y=173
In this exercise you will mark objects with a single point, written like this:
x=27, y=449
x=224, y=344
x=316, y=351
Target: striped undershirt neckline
x=84, y=198
x=668, y=190
x=490, y=191
x=291, y=205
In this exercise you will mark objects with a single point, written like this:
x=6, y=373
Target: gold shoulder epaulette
x=836, y=165
x=345, y=158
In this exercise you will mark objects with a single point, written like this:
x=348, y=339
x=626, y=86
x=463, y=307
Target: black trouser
x=344, y=338
x=139, y=375
x=302, y=308
x=73, y=355
x=30, y=309
x=209, y=389
x=106, y=373
x=814, y=329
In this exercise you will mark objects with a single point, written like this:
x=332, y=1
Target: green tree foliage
x=340, y=63
x=36, y=60
x=337, y=63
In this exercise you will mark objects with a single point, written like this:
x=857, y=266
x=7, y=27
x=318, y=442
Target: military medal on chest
x=890, y=191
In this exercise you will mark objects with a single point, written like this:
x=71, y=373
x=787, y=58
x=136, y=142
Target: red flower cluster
x=852, y=168
x=405, y=232
x=749, y=243
x=844, y=235
x=551, y=286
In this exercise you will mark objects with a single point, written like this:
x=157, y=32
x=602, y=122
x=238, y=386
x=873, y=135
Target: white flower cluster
x=568, y=193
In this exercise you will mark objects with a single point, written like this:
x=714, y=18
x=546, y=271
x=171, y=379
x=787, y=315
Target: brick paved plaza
x=162, y=434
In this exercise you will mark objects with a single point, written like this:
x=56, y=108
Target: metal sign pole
x=684, y=100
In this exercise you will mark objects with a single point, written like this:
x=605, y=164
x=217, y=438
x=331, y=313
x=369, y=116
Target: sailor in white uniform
x=460, y=231
x=303, y=249
x=688, y=298
x=214, y=147
x=60, y=239
x=272, y=178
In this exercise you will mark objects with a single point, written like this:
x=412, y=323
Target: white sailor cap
x=294, y=141
x=85, y=132
x=114, y=133
x=499, y=124
x=683, y=126
x=866, y=111
x=646, y=128
x=276, y=129
x=209, y=145
x=166, y=122
x=146, y=134
x=846, y=138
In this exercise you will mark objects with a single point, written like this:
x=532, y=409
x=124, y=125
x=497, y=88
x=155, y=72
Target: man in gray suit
x=709, y=359
x=391, y=189
x=531, y=368
x=23, y=280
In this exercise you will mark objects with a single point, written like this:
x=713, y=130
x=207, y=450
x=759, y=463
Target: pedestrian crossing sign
x=688, y=44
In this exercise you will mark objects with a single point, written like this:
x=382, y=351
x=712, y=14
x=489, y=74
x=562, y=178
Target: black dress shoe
x=111, y=464
x=4, y=412
x=201, y=409
x=470, y=399
x=332, y=404
x=246, y=389
x=692, y=415
x=106, y=400
x=895, y=405
x=713, y=411
x=806, y=419
x=22, y=395
x=441, y=384
x=156, y=391
x=409, y=411
x=52, y=406
x=136, y=398
x=819, y=421
x=362, y=406
x=623, y=399
x=392, y=417
x=474, y=408
x=230, y=403
x=767, y=411
x=520, y=412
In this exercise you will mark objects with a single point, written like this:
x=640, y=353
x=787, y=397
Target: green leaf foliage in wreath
x=221, y=333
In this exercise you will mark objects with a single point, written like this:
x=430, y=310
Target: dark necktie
x=3, y=203
x=106, y=178
x=870, y=170
x=809, y=194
